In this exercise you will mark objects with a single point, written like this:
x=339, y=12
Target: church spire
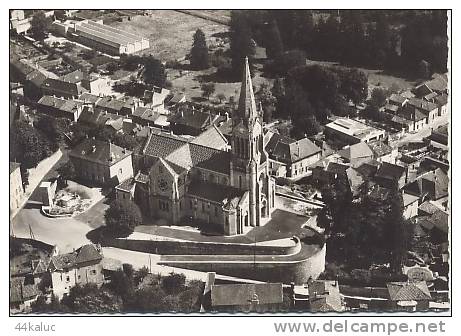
x=247, y=104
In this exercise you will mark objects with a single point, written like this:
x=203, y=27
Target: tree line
x=385, y=40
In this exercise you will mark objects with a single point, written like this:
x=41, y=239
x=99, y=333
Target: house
x=435, y=225
x=175, y=100
x=388, y=175
x=61, y=108
x=430, y=110
x=356, y=154
x=79, y=267
x=115, y=106
x=22, y=294
x=191, y=121
x=61, y=88
x=291, y=158
x=410, y=119
x=409, y=296
x=92, y=117
x=351, y=131
x=440, y=135
x=432, y=185
x=324, y=296
x=16, y=187
x=258, y=297
x=442, y=103
x=156, y=96
x=410, y=205
x=101, y=162
x=382, y=152
x=146, y=116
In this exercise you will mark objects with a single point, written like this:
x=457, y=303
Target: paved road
x=426, y=131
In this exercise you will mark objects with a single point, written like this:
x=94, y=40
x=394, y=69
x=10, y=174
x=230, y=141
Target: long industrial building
x=103, y=37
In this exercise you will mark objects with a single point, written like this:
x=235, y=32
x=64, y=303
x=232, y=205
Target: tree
x=207, y=89
x=122, y=217
x=274, y=44
x=154, y=71
x=91, y=299
x=267, y=100
x=39, y=26
x=289, y=60
x=221, y=96
x=24, y=177
x=67, y=172
x=424, y=69
x=354, y=85
x=241, y=43
x=378, y=97
x=53, y=128
x=174, y=283
x=199, y=58
x=28, y=145
x=54, y=306
x=306, y=126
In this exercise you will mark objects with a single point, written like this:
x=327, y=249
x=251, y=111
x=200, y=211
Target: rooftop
x=85, y=254
x=324, y=296
x=246, y=294
x=408, y=291
x=352, y=127
x=356, y=151
x=288, y=150
x=100, y=152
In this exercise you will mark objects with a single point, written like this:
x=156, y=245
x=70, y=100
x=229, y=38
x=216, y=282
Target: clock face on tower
x=162, y=184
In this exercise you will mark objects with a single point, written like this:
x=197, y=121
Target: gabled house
x=191, y=121
x=410, y=205
x=430, y=186
x=61, y=88
x=435, y=225
x=356, y=154
x=409, y=296
x=291, y=158
x=324, y=296
x=76, y=268
x=62, y=108
x=102, y=162
x=388, y=175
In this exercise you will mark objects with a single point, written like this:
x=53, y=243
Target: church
x=205, y=181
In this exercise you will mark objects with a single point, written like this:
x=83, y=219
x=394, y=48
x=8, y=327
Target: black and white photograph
x=229, y=161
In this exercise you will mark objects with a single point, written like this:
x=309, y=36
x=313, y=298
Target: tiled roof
x=356, y=151
x=378, y=193
x=324, y=296
x=428, y=208
x=192, y=118
x=210, y=158
x=75, y=77
x=380, y=148
x=89, y=98
x=126, y=185
x=214, y=193
x=212, y=137
x=91, y=116
x=85, y=254
x=287, y=150
x=57, y=85
x=243, y=294
x=368, y=169
x=101, y=152
x=390, y=171
x=409, y=199
x=439, y=83
x=408, y=291
x=160, y=144
x=397, y=98
x=422, y=105
x=110, y=103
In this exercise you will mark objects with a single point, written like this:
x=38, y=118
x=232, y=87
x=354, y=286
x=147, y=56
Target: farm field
x=167, y=28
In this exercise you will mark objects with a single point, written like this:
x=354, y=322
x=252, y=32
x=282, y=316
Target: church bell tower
x=247, y=148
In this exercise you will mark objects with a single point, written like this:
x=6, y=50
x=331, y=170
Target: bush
x=121, y=218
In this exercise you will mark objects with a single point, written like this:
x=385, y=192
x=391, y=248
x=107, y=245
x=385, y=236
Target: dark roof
x=160, y=144
x=212, y=192
x=14, y=166
x=438, y=220
x=98, y=151
x=441, y=99
x=60, y=86
x=324, y=296
x=192, y=118
x=85, y=254
x=336, y=168
x=433, y=184
x=397, y=98
x=93, y=117
x=243, y=294
x=126, y=185
x=408, y=291
x=288, y=150
x=368, y=169
x=428, y=208
x=422, y=105
x=378, y=193
x=390, y=171
x=108, y=102
x=89, y=98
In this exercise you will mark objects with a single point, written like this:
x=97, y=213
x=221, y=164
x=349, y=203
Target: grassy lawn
x=167, y=28
x=376, y=78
